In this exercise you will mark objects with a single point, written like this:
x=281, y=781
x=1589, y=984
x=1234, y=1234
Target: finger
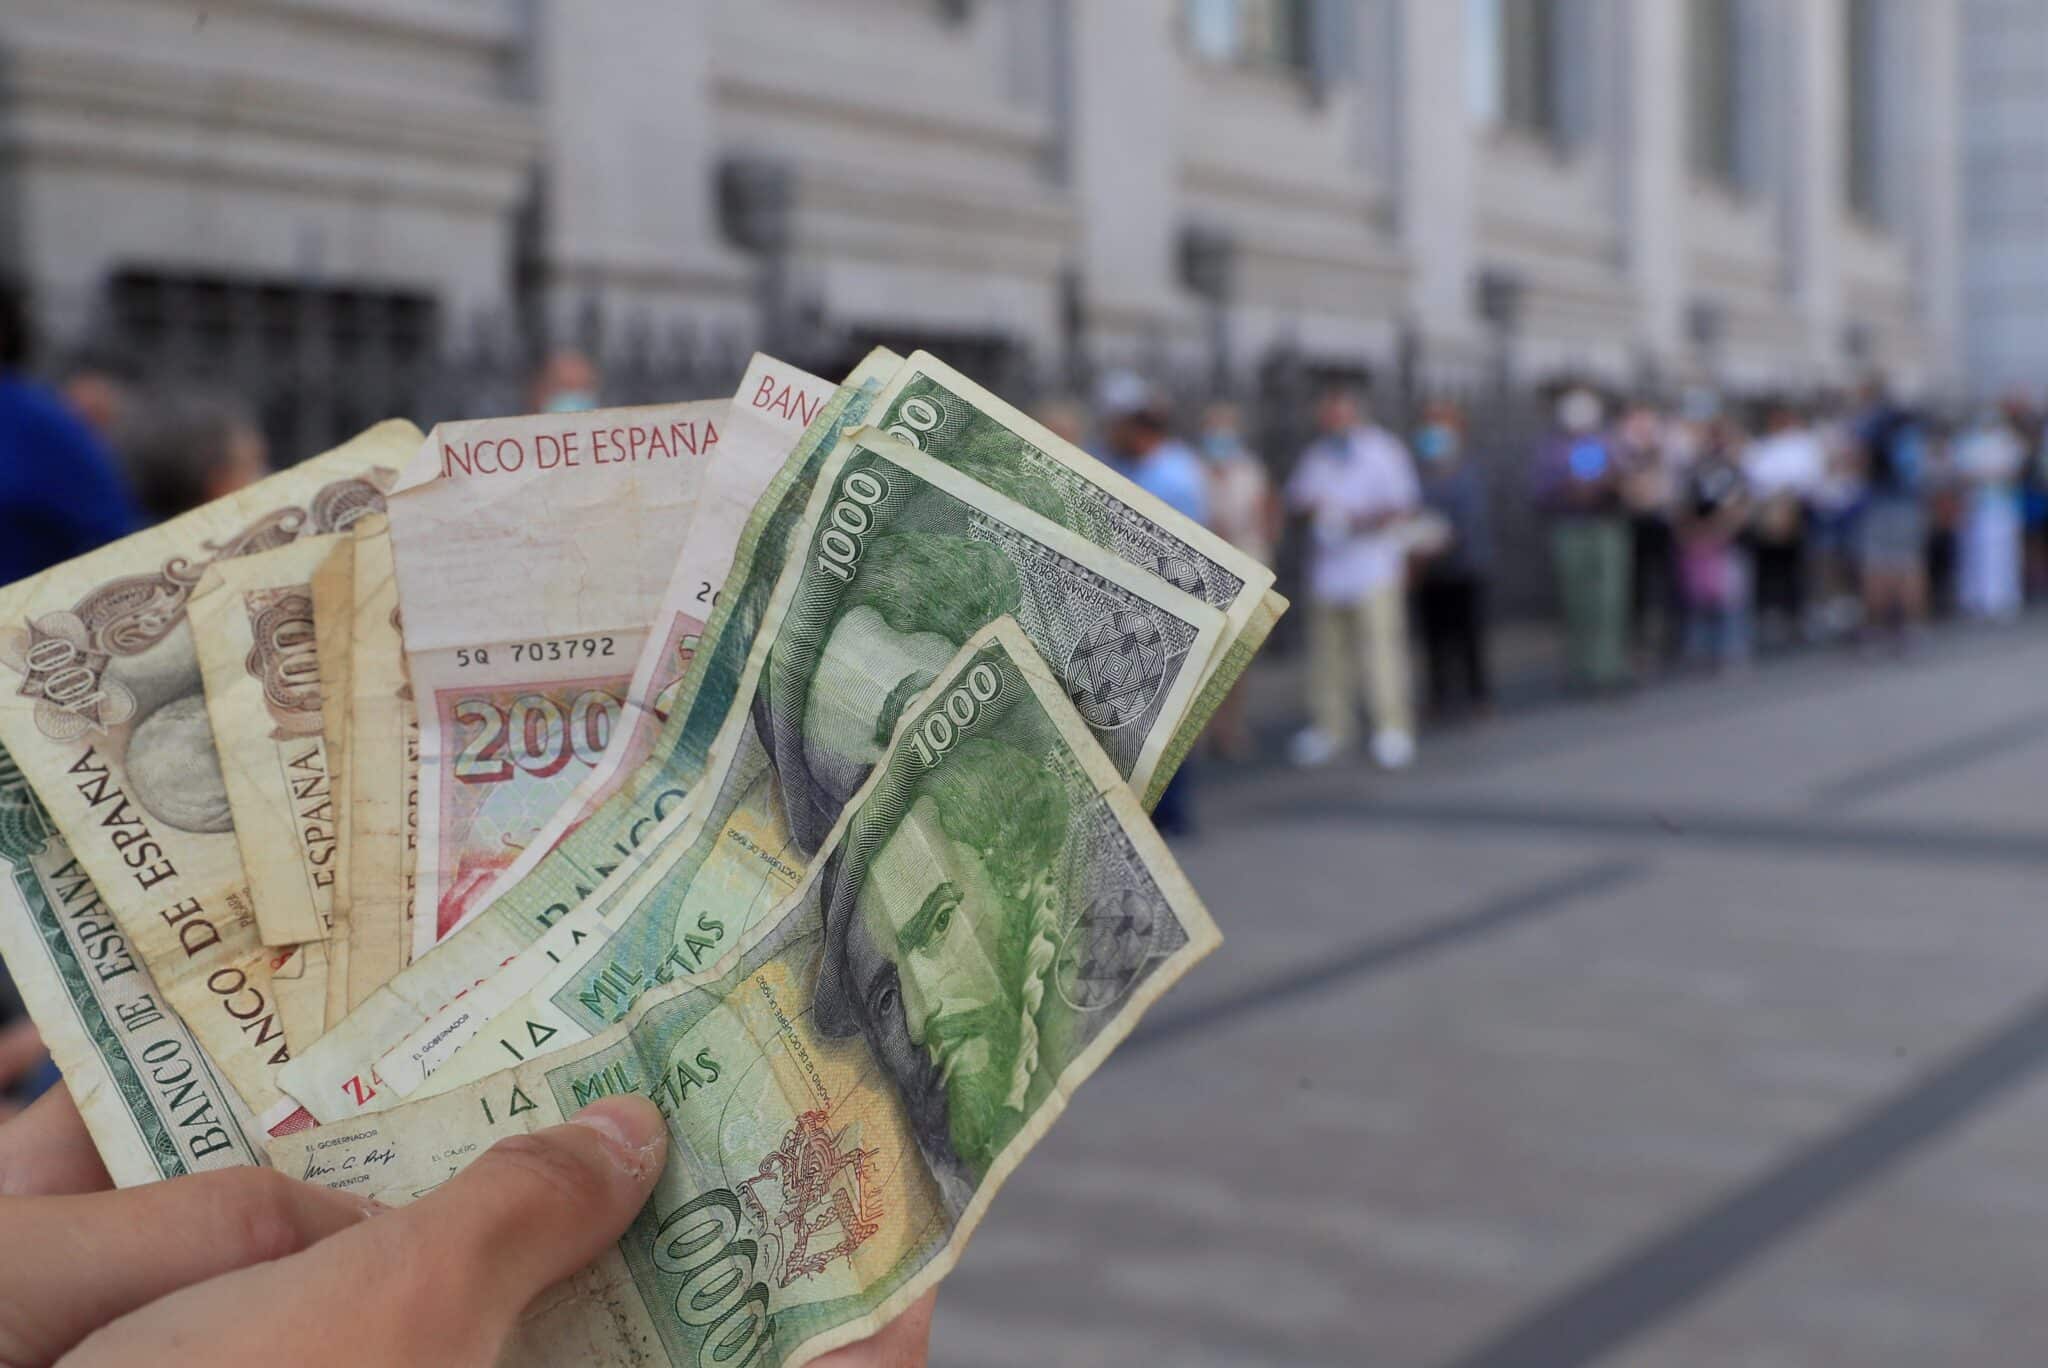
x=70, y=1264
x=528, y=1213
x=535, y=1208
x=903, y=1343
x=21, y=1050
x=440, y=1282
x=47, y=1152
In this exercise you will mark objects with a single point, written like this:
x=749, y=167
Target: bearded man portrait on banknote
x=961, y=1034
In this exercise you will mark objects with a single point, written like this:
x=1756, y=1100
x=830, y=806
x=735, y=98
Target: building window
x=1249, y=33
x=1862, y=88
x=1715, y=87
x=1511, y=64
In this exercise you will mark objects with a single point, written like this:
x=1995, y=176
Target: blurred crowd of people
x=1682, y=535
x=1692, y=534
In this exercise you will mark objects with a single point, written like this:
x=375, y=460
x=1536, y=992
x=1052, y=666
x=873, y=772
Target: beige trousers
x=1356, y=647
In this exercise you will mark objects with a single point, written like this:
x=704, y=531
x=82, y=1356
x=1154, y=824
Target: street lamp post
x=1208, y=267
x=1502, y=295
x=756, y=202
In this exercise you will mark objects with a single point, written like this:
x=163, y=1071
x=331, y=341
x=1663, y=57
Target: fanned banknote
x=532, y=554
x=383, y=764
x=948, y=416
x=153, y=1102
x=900, y=560
x=252, y=624
x=953, y=420
x=333, y=587
x=103, y=709
x=988, y=919
x=773, y=405
x=937, y=409
x=338, y=1070
x=935, y=555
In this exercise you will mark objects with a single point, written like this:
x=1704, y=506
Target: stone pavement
x=1706, y=1029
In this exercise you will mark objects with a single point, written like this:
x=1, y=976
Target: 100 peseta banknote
x=383, y=768
x=102, y=707
x=252, y=623
x=902, y=558
x=991, y=915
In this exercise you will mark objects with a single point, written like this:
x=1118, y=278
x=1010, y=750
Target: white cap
x=1122, y=393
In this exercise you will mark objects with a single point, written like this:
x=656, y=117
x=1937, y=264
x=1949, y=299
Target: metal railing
x=315, y=362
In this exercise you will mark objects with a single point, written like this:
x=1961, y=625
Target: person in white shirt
x=1784, y=469
x=1356, y=484
x=1992, y=457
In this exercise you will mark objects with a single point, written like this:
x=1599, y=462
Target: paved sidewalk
x=1708, y=1027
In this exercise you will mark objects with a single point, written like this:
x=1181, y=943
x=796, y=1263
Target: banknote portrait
x=940, y=951
x=916, y=598
x=119, y=664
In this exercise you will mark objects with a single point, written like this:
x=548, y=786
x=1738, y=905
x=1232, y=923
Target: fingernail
x=371, y=1206
x=632, y=1127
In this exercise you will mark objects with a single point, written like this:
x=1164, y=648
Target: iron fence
x=314, y=363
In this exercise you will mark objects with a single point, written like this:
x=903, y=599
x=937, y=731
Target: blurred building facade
x=1750, y=192
x=2005, y=195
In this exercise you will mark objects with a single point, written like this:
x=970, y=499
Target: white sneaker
x=1392, y=750
x=1312, y=749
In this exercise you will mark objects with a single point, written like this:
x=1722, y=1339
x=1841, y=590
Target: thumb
x=440, y=1282
x=531, y=1211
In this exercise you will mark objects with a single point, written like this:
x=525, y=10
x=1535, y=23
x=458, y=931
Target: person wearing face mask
x=1651, y=467
x=1450, y=596
x=1356, y=486
x=1577, y=483
x=1244, y=511
x=567, y=382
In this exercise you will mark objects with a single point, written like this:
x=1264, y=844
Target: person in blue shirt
x=60, y=496
x=1892, y=541
x=60, y=492
x=1141, y=447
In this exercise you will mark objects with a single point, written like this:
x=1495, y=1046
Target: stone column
x=1123, y=61
x=1935, y=204
x=1654, y=176
x=627, y=207
x=1815, y=173
x=1433, y=177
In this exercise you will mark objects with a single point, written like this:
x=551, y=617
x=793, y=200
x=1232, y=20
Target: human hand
x=75, y=1255
x=903, y=1343
x=242, y=1265
x=21, y=1054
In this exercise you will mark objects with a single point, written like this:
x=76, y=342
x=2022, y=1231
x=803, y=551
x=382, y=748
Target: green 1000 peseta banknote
x=900, y=559
x=988, y=919
x=940, y=411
